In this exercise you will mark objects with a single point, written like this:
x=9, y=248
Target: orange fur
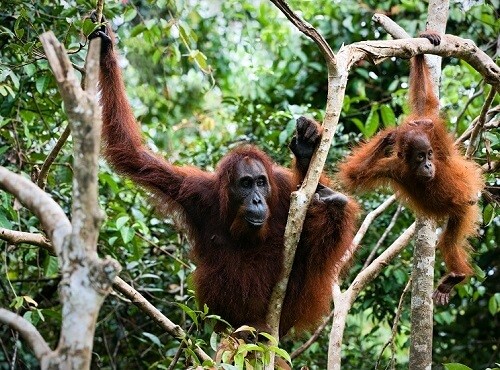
x=453, y=191
x=237, y=266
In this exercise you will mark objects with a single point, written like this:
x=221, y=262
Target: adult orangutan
x=236, y=216
x=421, y=162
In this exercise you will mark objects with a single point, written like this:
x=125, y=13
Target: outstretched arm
x=123, y=146
x=371, y=163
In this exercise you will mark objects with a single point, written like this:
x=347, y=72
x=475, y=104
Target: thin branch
x=476, y=94
x=144, y=305
x=392, y=28
x=313, y=337
x=490, y=124
x=307, y=30
x=29, y=333
x=479, y=125
x=50, y=214
x=18, y=237
x=383, y=237
x=368, y=274
x=370, y=217
x=395, y=325
x=44, y=171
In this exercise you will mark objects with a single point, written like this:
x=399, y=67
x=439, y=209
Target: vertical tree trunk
x=424, y=255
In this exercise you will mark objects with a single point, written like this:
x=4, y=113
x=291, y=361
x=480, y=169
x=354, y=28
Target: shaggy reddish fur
x=237, y=267
x=451, y=193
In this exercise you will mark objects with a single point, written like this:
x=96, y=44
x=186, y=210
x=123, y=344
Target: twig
x=469, y=101
x=383, y=237
x=394, y=326
x=490, y=124
x=144, y=305
x=307, y=30
x=479, y=125
x=313, y=337
x=44, y=171
x=370, y=217
x=368, y=274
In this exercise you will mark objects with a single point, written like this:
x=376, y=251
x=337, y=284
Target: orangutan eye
x=246, y=182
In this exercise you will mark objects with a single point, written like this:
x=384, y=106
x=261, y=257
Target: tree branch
x=368, y=274
x=52, y=217
x=119, y=285
x=18, y=237
x=144, y=305
x=44, y=171
x=383, y=237
x=479, y=125
x=307, y=30
x=451, y=46
x=370, y=217
x=27, y=331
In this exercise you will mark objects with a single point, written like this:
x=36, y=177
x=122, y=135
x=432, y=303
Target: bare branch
x=52, y=217
x=18, y=237
x=383, y=237
x=307, y=30
x=451, y=46
x=44, y=171
x=368, y=274
x=27, y=331
x=392, y=28
x=313, y=337
x=479, y=124
x=395, y=325
x=145, y=306
x=370, y=217
x=490, y=123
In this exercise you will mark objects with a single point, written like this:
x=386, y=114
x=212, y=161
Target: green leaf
x=153, y=338
x=121, y=221
x=50, y=266
x=372, y=122
x=359, y=125
x=281, y=352
x=388, y=116
x=129, y=14
x=184, y=34
x=269, y=337
x=137, y=30
x=41, y=84
x=88, y=26
x=488, y=214
x=127, y=234
x=191, y=313
x=456, y=366
x=201, y=60
x=494, y=304
x=17, y=303
x=4, y=221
